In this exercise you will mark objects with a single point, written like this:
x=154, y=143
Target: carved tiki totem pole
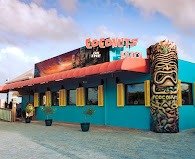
x=164, y=76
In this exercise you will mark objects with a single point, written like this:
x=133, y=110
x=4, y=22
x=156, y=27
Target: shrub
x=48, y=110
x=88, y=111
x=29, y=108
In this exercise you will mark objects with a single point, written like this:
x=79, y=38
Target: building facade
x=118, y=88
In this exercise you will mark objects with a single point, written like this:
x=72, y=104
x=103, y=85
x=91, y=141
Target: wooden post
x=13, y=109
x=7, y=97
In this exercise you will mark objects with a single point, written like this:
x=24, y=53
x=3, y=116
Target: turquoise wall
x=115, y=52
x=72, y=113
x=186, y=117
x=130, y=116
x=127, y=116
x=186, y=112
x=25, y=100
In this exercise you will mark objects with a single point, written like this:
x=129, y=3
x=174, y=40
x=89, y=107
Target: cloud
x=183, y=52
x=118, y=6
x=14, y=62
x=103, y=31
x=69, y=5
x=100, y=31
x=38, y=1
x=180, y=12
x=30, y=21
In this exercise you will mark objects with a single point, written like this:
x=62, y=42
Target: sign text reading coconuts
x=114, y=42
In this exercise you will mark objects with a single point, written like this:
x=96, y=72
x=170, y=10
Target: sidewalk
x=66, y=141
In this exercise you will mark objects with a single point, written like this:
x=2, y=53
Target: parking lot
x=66, y=141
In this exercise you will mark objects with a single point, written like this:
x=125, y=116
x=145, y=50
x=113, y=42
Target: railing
x=5, y=114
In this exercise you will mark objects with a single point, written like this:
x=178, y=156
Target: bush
x=88, y=111
x=48, y=110
x=29, y=108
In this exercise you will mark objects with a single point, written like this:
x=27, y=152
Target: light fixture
x=102, y=82
x=117, y=80
x=80, y=85
x=62, y=87
x=84, y=82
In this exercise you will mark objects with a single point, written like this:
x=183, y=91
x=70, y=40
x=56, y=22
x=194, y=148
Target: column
x=164, y=77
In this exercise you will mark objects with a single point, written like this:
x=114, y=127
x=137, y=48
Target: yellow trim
x=179, y=94
x=62, y=97
x=147, y=92
x=77, y=96
x=48, y=98
x=80, y=98
x=100, y=95
x=36, y=99
x=120, y=95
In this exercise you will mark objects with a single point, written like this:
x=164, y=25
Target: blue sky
x=34, y=30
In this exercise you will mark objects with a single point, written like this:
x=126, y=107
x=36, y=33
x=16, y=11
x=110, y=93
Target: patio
x=67, y=141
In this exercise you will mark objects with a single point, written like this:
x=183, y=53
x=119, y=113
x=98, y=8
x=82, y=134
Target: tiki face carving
x=164, y=68
x=164, y=74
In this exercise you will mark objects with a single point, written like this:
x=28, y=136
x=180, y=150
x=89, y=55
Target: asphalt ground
x=66, y=141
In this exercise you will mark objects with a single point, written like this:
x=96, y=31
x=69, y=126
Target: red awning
x=129, y=64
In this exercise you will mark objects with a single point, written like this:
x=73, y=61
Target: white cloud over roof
x=180, y=12
x=14, y=62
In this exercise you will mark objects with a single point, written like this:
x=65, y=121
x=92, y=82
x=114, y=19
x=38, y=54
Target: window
x=186, y=90
x=135, y=94
x=55, y=98
x=92, y=96
x=42, y=99
x=71, y=97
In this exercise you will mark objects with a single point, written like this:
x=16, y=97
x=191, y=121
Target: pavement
x=19, y=140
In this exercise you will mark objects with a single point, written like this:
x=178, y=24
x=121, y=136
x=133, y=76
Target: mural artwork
x=164, y=76
x=81, y=57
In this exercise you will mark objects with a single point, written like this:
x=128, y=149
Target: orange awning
x=128, y=64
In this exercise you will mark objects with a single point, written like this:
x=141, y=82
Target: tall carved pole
x=164, y=76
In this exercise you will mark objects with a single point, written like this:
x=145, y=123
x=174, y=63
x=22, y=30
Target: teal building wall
x=73, y=113
x=115, y=52
x=187, y=112
x=130, y=116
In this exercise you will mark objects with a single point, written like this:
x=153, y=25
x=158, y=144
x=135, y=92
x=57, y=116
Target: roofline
x=128, y=64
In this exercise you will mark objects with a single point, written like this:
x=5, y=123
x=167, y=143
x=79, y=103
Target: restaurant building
x=149, y=89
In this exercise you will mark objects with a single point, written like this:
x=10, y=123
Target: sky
x=34, y=30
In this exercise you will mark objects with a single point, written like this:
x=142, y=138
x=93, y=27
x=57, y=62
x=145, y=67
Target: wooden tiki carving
x=164, y=76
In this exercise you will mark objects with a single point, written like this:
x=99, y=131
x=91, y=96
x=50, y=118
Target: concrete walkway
x=66, y=141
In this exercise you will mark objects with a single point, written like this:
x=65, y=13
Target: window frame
x=191, y=93
x=52, y=100
x=86, y=96
x=68, y=95
x=41, y=100
x=126, y=85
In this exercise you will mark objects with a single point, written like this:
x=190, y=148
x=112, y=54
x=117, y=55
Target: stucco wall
x=187, y=112
x=109, y=114
x=72, y=113
x=127, y=116
x=131, y=116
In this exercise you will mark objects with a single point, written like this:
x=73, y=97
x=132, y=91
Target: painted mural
x=164, y=76
x=81, y=57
